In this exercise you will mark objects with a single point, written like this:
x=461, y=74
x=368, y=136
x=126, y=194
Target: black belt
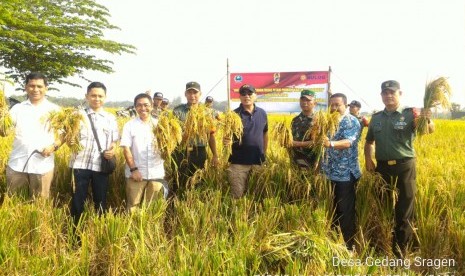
x=394, y=161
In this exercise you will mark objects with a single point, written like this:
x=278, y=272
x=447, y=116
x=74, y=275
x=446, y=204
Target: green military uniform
x=196, y=154
x=393, y=134
x=302, y=156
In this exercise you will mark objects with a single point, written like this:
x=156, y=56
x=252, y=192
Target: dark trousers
x=344, y=208
x=99, y=182
x=403, y=175
x=187, y=163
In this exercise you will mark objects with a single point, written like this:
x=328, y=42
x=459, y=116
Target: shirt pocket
x=402, y=130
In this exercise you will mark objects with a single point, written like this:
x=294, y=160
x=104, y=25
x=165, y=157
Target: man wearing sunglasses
x=251, y=151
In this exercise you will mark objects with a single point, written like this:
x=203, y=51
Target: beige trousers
x=144, y=191
x=238, y=175
x=35, y=184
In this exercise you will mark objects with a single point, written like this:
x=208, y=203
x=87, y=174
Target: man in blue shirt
x=251, y=151
x=341, y=166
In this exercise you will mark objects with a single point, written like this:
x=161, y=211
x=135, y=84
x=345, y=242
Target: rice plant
x=168, y=134
x=5, y=119
x=231, y=127
x=437, y=93
x=66, y=124
x=282, y=134
x=281, y=226
x=325, y=124
x=198, y=126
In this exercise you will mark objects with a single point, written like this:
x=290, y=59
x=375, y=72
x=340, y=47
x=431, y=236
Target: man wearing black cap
x=251, y=151
x=157, y=99
x=301, y=153
x=354, y=109
x=392, y=132
x=196, y=153
x=209, y=106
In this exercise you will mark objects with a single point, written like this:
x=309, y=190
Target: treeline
x=70, y=101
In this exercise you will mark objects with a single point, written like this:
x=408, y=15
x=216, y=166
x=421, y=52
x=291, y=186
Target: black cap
x=247, y=87
x=391, y=85
x=193, y=85
x=158, y=95
x=165, y=101
x=355, y=103
x=209, y=99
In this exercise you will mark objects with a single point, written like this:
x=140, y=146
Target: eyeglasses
x=143, y=105
x=245, y=93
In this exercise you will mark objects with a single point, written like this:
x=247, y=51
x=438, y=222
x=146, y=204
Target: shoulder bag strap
x=94, y=131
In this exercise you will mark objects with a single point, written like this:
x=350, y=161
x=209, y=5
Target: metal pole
x=227, y=83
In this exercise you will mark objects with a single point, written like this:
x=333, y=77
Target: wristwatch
x=331, y=144
x=133, y=169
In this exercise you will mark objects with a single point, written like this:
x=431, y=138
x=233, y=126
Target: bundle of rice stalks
x=198, y=126
x=325, y=124
x=282, y=134
x=168, y=134
x=67, y=124
x=437, y=93
x=5, y=120
x=232, y=129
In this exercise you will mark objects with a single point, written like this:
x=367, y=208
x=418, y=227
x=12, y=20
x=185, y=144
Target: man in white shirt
x=31, y=162
x=86, y=164
x=144, y=166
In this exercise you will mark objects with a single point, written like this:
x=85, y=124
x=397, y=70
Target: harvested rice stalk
x=67, y=124
x=282, y=134
x=325, y=124
x=168, y=134
x=5, y=119
x=232, y=129
x=198, y=125
x=437, y=93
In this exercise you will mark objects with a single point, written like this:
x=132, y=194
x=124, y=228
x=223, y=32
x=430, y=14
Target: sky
x=365, y=43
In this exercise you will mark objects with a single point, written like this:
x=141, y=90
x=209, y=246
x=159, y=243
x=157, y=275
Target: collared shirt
x=138, y=136
x=393, y=133
x=299, y=127
x=181, y=112
x=251, y=149
x=107, y=132
x=338, y=165
x=32, y=133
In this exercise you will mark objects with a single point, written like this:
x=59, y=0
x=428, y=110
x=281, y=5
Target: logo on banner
x=276, y=77
x=238, y=78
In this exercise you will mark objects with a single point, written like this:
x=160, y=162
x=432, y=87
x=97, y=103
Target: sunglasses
x=245, y=93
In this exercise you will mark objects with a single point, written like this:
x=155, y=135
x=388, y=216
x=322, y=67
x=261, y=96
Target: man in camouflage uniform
x=301, y=153
x=392, y=132
x=354, y=109
x=209, y=106
x=157, y=100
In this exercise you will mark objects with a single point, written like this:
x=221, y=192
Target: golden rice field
x=281, y=226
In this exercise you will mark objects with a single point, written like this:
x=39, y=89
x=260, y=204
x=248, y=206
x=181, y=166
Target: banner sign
x=280, y=91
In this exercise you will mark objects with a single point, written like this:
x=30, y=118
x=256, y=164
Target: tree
x=455, y=107
x=56, y=37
